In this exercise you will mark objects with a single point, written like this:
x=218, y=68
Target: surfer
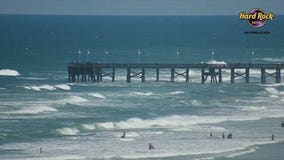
x=151, y=147
x=123, y=136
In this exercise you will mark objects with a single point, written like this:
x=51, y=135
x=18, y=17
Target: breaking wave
x=63, y=87
x=97, y=95
x=48, y=87
x=177, y=92
x=34, y=110
x=74, y=100
x=39, y=88
x=68, y=131
x=143, y=93
x=9, y=72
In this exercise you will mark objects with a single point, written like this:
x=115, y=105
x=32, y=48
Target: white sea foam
x=272, y=90
x=89, y=126
x=195, y=102
x=32, y=78
x=127, y=139
x=68, y=131
x=34, y=110
x=63, y=86
x=132, y=134
x=143, y=93
x=53, y=157
x=74, y=100
x=216, y=62
x=270, y=59
x=97, y=95
x=47, y=87
x=163, y=122
x=39, y=88
x=253, y=108
x=251, y=150
x=177, y=92
x=9, y=72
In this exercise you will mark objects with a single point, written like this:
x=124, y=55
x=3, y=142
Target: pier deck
x=94, y=72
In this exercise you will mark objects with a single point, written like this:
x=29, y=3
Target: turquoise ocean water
x=39, y=109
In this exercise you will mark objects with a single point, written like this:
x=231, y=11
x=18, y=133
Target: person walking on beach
x=151, y=147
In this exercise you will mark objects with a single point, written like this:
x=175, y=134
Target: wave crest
x=68, y=131
x=9, y=72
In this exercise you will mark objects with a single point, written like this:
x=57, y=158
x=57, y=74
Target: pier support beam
x=213, y=76
x=143, y=75
x=232, y=75
x=128, y=76
x=172, y=74
x=278, y=75
x=157, y=74
x=113, y=74
x=187, y=75
x=263, y=75
x=220, y=75
x=202, y=76
x=247, y=75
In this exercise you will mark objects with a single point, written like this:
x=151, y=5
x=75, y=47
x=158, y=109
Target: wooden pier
x=94, y=72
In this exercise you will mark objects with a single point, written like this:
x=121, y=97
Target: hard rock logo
x=256, y=17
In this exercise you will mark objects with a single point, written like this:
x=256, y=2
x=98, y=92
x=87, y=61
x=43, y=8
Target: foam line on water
x=143, y=93
x=33, y=110
x=97, y=95
x=41, y=87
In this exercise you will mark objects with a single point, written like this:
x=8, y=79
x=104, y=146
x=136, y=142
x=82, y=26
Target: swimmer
x=123, y=136
x=210, y=135
x=151, y=147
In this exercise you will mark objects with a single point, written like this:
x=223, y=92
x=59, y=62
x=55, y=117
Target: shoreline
x=271, y=151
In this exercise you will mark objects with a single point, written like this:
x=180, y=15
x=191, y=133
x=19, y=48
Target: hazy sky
x=138, y=7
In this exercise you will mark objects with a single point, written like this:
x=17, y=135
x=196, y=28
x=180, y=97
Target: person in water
x=272, y=137
x=210, y=135
x=223, y=135
x=123, y=136
x=151, y=147
x=282, y=124
x=40, y=150
x=229, y=136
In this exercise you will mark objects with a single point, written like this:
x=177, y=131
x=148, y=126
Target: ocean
x=39, y=109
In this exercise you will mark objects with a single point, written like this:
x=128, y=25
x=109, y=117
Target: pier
x=94, y=72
